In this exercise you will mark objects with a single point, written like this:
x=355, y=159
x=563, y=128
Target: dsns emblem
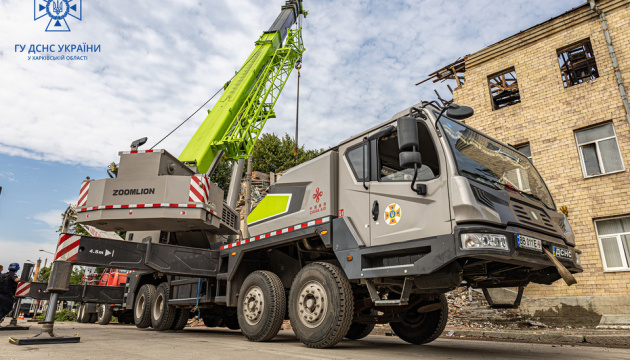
x=58, y=11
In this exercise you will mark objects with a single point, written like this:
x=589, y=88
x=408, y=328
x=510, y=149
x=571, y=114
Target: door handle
x=375, y=210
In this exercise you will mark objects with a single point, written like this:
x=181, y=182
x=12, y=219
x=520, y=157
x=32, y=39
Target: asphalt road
x=127, y=342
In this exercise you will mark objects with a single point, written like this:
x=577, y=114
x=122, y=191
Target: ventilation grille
x=524, y=215
x=482, y=197
x=229, y=218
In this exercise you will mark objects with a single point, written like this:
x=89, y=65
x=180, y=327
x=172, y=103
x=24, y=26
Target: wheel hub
x=253, y=305
x=312, y=304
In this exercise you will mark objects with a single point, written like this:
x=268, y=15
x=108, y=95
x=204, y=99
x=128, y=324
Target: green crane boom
x=236, y=120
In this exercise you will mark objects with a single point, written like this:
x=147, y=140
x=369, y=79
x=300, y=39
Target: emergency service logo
x=58, y=11
x=392, y=214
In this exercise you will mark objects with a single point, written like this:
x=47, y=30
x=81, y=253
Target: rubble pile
x=469, y=308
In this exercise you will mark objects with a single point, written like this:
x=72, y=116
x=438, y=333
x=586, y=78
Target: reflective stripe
x=277, y=232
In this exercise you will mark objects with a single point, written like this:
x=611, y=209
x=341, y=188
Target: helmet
x=14, y=267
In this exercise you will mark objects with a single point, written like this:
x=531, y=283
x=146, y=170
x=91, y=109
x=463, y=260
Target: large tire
x=359, y=331
x=262, y=305
x=81, y=314
x=162, y=315
x=422, y=328
x=231, y=322
x=212, y=321
x=93, y=318
x=105, y=314
x=142, y=306
x=181, y=319
x=321, y=305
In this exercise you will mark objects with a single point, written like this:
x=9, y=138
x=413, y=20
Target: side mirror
x=410, y=158
x=457, y=112
x=407, y=134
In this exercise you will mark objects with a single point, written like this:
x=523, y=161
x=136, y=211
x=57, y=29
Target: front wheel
x=422, y=328
x=321, y=305
x=261, y=306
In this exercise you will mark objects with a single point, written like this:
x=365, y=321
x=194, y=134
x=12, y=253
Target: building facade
x=552, y=92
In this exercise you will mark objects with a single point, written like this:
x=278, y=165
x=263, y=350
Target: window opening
x=614, y=242
x=577, y=63
x=356, y=161
x=504, y=89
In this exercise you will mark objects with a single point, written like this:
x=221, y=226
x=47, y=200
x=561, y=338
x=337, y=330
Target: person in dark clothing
x=8, y=287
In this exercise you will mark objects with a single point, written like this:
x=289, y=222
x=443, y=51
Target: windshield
x=492, y=163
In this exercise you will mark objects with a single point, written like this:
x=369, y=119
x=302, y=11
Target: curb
x=599, y=340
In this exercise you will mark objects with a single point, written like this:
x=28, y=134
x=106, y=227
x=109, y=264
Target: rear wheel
x=261, y=306
x=162, y=315
x=181, y=319
x=93, y=318
x=422, y=328
x=142, y=306
x=212, y=321
x=231, y=322
x=321, y=305
x=359, y=331
x=105, y=314
x=81, y=314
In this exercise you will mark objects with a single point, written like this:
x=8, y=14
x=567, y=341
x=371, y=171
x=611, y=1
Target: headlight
x=484, y=241
x=578, y=261
x=568, y=232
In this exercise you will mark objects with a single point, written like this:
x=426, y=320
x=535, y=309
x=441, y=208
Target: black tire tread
x=107, y=315
x=359, y=331
x=341, y=326
x=277, y=307
x=167, y=319
x=181, y=319
x=145, y=320
x=426, y=338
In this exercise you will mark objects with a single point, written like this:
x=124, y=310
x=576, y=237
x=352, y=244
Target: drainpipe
x=613, y=58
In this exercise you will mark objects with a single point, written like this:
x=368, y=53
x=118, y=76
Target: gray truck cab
x=478, y=212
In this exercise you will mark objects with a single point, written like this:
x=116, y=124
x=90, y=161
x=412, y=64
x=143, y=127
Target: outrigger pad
x=9, y=327
x=46, y=336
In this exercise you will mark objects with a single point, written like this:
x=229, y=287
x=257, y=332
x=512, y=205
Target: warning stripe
x=145, y=206
x=276, y=232
x=85, y=187
x=140, y=151
x=23, y=289
x=68, y=247
x=199, y=189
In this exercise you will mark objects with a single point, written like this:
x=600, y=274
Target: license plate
x=562, y=253
x=529, y=243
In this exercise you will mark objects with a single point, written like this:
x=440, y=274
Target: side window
x=356, y=161
x=389, y=168
x=599, y=150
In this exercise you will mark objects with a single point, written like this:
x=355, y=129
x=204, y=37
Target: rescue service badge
x=392, y=214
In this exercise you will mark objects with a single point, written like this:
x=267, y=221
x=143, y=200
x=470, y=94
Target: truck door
x=354, y=198
x=396, y=212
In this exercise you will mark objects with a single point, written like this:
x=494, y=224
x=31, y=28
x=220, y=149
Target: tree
x=75, y=278
x=275, y=154
x=222, y=175
x=73, y=228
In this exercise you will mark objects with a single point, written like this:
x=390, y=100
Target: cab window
x=355, y=158
x=389, y=168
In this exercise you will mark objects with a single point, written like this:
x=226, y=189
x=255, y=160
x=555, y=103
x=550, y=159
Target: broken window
x=577, y=63
x=504, y=89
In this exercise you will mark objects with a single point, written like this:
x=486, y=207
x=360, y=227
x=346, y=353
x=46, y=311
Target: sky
x=61, y=121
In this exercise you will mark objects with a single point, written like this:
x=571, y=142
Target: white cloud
x=160, y=61
x=52, y=218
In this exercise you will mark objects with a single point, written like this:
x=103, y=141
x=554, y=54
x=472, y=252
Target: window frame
x=585, y=43
x=493, y=76
x=378, y=157
x=624, y=260
x=366, y=165
x=599, y=155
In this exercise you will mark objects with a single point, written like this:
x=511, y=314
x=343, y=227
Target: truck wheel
x=212, y=321
x=321, y=305
x=81, y=314
x=162, y=315
x=181, y=319
x=142, y=306
x=359, y=331
x=105, y=314
x=422, y=328
x=93, y=318
x=231, y=322
x=261, y=306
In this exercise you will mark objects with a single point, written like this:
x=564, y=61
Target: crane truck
x=374, y=230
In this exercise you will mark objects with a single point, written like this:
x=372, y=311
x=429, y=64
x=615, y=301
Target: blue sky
x=159, y=61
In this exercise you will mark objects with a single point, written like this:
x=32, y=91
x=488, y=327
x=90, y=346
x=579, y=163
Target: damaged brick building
x=556, y=93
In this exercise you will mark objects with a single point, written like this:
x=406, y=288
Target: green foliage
x=275, y=154
x=63, y=315
x=74, y=228
x=75, y=278
x=222, y=175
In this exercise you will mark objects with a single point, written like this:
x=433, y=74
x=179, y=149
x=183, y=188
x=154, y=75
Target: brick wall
x=547, y=117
